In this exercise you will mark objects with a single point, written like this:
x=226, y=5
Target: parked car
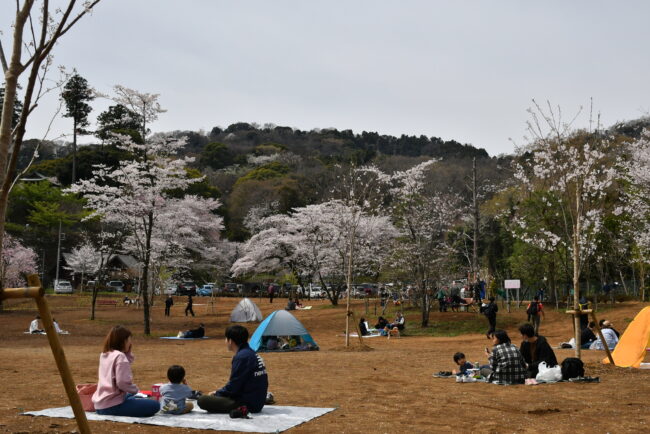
x=115, y=285
x=186, y=288
x=171, y=289
x=62, y=287
x=206, y=290
x=230, y=288
x=316, y=292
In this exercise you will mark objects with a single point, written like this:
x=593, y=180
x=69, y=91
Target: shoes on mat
x=240, y=413
x=270, y=399
x=196, y=394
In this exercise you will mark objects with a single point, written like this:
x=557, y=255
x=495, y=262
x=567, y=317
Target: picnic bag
x=548, y=374
x=572, y=367
x=86, y=392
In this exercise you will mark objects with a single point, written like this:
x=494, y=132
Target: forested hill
x=330, y=144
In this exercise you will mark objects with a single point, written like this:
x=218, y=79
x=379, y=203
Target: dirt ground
x=389, y=389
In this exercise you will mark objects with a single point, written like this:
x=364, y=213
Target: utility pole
x=58, y=256
x=475, y=215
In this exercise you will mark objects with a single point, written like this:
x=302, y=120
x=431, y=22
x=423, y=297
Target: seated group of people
x=35, y=328
x=590, y=341
x=284, y=343
x=383, y=327
x=509, y=364
x=117, y=395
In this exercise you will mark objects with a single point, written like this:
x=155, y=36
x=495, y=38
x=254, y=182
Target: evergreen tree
x=76, y=94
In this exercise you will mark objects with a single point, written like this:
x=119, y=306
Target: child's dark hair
x=458, y=356
x=591, y=324
x=527, y=329
x=175, y=374
x=502, y=336
x=237, y=334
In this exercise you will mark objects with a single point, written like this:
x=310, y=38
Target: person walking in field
x=188, y=308
x=271, y=291
x=490, y=311
x=535, y=311
x=169, y=302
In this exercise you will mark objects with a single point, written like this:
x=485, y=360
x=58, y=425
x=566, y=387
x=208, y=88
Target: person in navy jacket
x=248, y=382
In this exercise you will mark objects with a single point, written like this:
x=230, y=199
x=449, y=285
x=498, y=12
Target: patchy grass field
x=388, y=389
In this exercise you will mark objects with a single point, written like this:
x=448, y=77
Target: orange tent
x=631, y=348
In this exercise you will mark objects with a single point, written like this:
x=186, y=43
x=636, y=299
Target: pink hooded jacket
x=115, y=379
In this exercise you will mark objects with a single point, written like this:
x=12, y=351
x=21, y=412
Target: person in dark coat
x=535, y=349
x=169, y=302
x=362, y=327
x=381, y=323
x=248, y=384
x=490, y=311
x=188, y=308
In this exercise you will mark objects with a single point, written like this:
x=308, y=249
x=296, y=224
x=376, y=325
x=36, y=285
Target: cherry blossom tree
x=313, y=242
x=637, y=170
x=424, y=218
x=140, y=196
x=17, y=260
x=84, y=259
x=576, y=168
x=30, y=58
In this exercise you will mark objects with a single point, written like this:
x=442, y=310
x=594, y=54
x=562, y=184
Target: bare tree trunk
x=348, y=313
x=576, y=274
x=74, y=151
x=145, y=275
x=92, y=303
x=642, y=278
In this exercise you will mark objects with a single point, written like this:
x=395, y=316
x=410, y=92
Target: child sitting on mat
x=174, y=393
x=463, y=364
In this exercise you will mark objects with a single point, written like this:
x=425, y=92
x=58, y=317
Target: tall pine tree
x=76, y=94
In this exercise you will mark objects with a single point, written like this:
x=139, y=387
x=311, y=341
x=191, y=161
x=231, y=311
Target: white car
x=62, y=287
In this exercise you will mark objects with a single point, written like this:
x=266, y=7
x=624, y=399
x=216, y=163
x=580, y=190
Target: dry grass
x=388, y=389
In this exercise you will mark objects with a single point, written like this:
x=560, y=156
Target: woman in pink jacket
x=115, y=388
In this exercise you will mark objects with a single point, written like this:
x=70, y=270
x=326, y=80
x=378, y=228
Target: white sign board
x=512, y=284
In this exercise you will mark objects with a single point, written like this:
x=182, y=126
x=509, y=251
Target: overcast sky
x=463, y=70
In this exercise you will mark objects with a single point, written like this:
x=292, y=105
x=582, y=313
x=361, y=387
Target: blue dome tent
x=281, y=324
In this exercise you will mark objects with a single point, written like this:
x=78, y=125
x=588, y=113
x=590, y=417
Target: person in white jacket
x=34, y=326
x=610, y=338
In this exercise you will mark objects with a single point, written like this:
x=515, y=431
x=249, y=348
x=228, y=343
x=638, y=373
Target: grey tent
x=246, y=311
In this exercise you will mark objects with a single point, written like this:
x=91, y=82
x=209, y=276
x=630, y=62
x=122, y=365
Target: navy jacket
x=248, y=382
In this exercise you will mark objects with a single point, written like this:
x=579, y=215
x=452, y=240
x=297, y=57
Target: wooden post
x=576, y=314
x=36, y=292
x=358, y=329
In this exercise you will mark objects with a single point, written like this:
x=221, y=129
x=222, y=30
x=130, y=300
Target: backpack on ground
x=533, y=309
x=572, y=367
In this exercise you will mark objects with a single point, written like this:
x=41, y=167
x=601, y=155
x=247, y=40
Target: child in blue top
x=174, y=393
x=463, y=364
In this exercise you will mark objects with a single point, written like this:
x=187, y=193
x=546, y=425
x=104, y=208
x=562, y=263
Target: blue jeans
x=132, y=406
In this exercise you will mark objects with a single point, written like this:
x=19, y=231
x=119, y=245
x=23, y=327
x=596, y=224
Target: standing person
x=115, y=394
x=188, y=308
x=248, y=382
x=535, y=350
x=540, y=294
x=490, y=311
x=535, y=311
x=169, y=302
x=506, y=361
x=271, y=291
x=441, y=296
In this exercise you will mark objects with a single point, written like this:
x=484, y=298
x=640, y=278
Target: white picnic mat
x=272, y=418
